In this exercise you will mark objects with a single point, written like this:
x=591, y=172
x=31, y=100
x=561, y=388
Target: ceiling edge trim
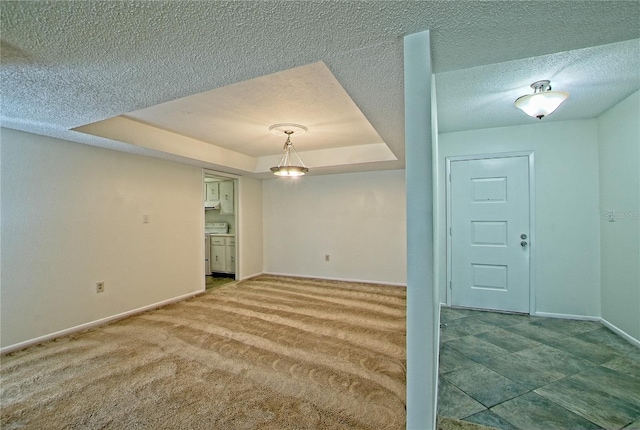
x=136, y=133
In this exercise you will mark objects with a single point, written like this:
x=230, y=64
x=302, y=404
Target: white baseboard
x=606, y=323
x=244, y=278
x=393, y=284
x=86, y=326
x=621, y=333
x=567, y=316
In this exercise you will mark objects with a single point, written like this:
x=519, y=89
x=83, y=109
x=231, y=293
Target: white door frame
x=236, y=205
x=532, y=220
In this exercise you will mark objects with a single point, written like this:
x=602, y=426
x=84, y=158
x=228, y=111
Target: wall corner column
x=422, y=327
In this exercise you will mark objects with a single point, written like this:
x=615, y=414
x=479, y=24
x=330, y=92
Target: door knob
x=523, y=236
x=523, y=244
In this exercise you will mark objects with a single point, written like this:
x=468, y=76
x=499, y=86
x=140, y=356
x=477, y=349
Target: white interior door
x=490, y=233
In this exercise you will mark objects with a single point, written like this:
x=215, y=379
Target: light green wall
x=566, y=257
x=619, y=155
x=422, y=311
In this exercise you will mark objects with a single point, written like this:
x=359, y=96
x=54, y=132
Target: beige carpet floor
x=266, y=353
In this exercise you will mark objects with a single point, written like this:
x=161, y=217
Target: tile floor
x=218, y=280
x=520, y=372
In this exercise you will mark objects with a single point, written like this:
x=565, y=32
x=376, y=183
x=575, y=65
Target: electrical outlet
x=100, y=287
x=145, y=219
x=327, y=257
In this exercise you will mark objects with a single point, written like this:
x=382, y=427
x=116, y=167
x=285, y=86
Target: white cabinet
x=207, y=254
x=218, y=258
x=230, y=245
x=223, y=254
x=212, y=191
x=226, y=197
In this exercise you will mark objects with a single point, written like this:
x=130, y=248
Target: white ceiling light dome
x=542, y=102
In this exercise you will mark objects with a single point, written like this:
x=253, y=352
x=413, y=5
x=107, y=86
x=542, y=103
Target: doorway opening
x=220, y=191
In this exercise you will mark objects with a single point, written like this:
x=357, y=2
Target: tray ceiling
x=197, y=82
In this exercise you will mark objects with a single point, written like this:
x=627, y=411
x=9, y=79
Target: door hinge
x=449, y=177
x=450, y=286
x=450, y=231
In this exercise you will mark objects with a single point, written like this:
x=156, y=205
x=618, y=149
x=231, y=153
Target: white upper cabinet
x=212, y=191
x=226, y=197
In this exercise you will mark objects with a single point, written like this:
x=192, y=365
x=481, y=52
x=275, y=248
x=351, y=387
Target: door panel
x=489, y=214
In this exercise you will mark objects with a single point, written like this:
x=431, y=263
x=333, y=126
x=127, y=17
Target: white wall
x=72, y=215
x=357, y=218
x=619, y=156
x=249, y=240
x=567, y=241
x=422, y=297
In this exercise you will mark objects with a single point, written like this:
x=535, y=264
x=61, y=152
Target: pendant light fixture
x=286, y=167
x=542, y=102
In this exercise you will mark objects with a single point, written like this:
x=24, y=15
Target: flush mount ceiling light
x=542, y=102
x=286, y=166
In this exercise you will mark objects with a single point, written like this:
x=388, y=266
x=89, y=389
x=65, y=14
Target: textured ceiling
x=68, y=64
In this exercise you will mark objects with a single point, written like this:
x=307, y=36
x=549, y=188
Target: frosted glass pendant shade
x=542, y=102
x=289, y=170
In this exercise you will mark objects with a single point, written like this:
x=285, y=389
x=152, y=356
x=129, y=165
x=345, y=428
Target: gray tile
x=462, y=327
x=616, y=384
x=592, y=402
x=634, y=425
x=554, y=361
x=484, y=385
x=518, y=369
x=448, y=315
x=468, y=312
x=507, y=340
x=531, y=331
x=567, y=327
x=626, y=364
x=544, y=352
x=450, y=359
x=597, y=354
x=533, y=412
x=604, y=336
x=488, y=418
x=476, y=348
x=500, y=319
x=453, y=403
